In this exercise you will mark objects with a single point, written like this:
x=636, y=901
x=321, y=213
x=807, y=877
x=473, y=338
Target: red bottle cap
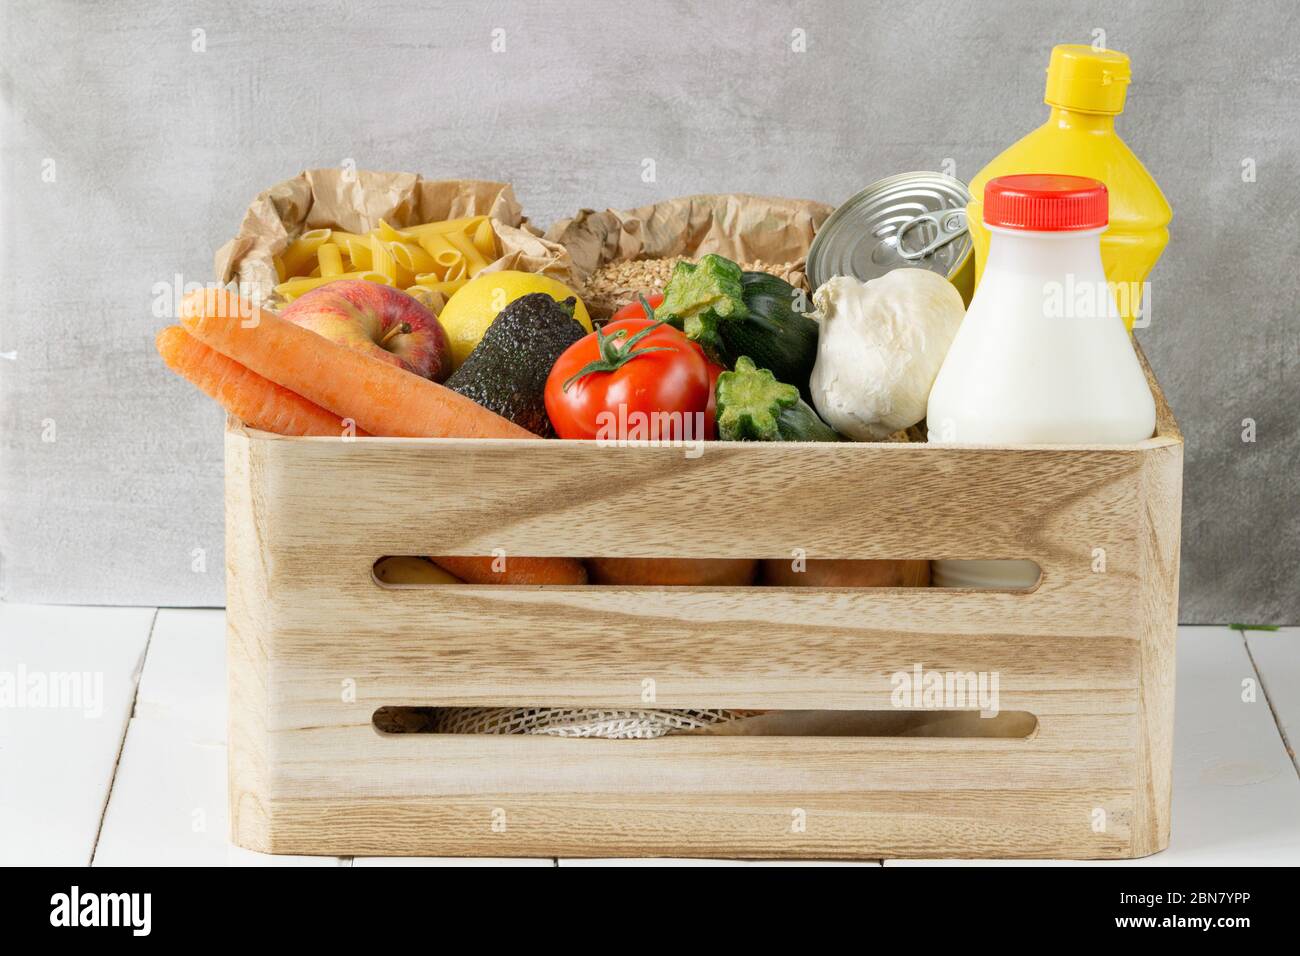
x=1046, y=202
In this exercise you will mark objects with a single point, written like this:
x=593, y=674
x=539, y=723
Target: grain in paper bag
x=764, y=233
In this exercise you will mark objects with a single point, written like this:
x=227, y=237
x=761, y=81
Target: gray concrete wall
x=155, y=149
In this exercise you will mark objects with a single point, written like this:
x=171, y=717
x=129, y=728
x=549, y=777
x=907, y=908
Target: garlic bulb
x=881, y=346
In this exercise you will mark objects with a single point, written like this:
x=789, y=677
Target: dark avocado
x=507, y=370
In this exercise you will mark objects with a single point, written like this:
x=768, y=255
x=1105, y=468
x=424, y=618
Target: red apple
x=378, y=320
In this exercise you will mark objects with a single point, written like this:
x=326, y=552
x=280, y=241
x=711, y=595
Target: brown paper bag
x=355, y=201
x=745, y=228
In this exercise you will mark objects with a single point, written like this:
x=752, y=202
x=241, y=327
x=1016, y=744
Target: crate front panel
x=774, y=648
x=703, y=647
x=857, y=796
x=311, y=774
x=752, y=797
x=326, y=498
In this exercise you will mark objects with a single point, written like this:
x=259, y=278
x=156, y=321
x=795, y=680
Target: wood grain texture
x=58, y=763
x=1160, y=505
x=248, y=633
x=1161, y=516
x=735, y=824
x=317, y=645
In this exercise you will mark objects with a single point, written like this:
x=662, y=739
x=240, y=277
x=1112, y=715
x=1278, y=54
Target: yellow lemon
x=474, y=305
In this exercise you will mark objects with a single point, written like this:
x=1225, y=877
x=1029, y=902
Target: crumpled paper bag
x=739, y=226
x=355, y=201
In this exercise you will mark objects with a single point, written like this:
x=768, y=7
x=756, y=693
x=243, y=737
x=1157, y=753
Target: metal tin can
x=912, y=220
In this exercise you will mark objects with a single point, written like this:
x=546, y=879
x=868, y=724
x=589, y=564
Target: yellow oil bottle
x=1085, y=90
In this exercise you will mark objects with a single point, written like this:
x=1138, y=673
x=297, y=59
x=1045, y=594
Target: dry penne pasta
x=330, y=259
x=298, y=257
x=340, y=238
x=389, y=234
x=381, y=259
x=296, y=287
x=434, y=284
x=468, y=224
x=485, y=240
x=444, y=254
x=358, y=250
x=434, y=258
x=411, y=257
x=403, y=275
x=474, y=261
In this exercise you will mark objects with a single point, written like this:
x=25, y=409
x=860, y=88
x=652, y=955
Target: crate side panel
x=1160, y=539
x=249, y=630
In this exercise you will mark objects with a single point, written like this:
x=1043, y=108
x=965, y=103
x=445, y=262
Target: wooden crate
x=316, y=646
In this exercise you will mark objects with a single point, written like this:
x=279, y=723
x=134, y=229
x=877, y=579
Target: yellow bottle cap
x=1088, y=80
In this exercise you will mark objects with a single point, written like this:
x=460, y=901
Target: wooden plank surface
x=835, y=500
x=1276, y=655
x=1236, y=791
x=774, y=650
x=168, y=805
x=184, y=681
x=1236, y=796
x=57, y=763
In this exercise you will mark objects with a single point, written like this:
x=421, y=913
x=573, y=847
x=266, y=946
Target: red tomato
x=633, y=310
x=620, y=376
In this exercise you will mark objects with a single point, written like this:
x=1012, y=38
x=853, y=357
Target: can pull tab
x=948, y=224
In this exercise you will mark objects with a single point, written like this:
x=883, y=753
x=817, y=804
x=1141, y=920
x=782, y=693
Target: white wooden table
x=135, y=771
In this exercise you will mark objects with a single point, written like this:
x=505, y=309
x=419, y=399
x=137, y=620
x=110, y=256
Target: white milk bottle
x=1042, y=356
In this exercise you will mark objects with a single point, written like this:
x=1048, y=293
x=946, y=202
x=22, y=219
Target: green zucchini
x=753, y=406
x=733, y=313
x=773, y=333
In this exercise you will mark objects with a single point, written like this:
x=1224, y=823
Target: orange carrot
x=516, y=570
x=673, y=572
x=246, y=395
x=381, y=398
